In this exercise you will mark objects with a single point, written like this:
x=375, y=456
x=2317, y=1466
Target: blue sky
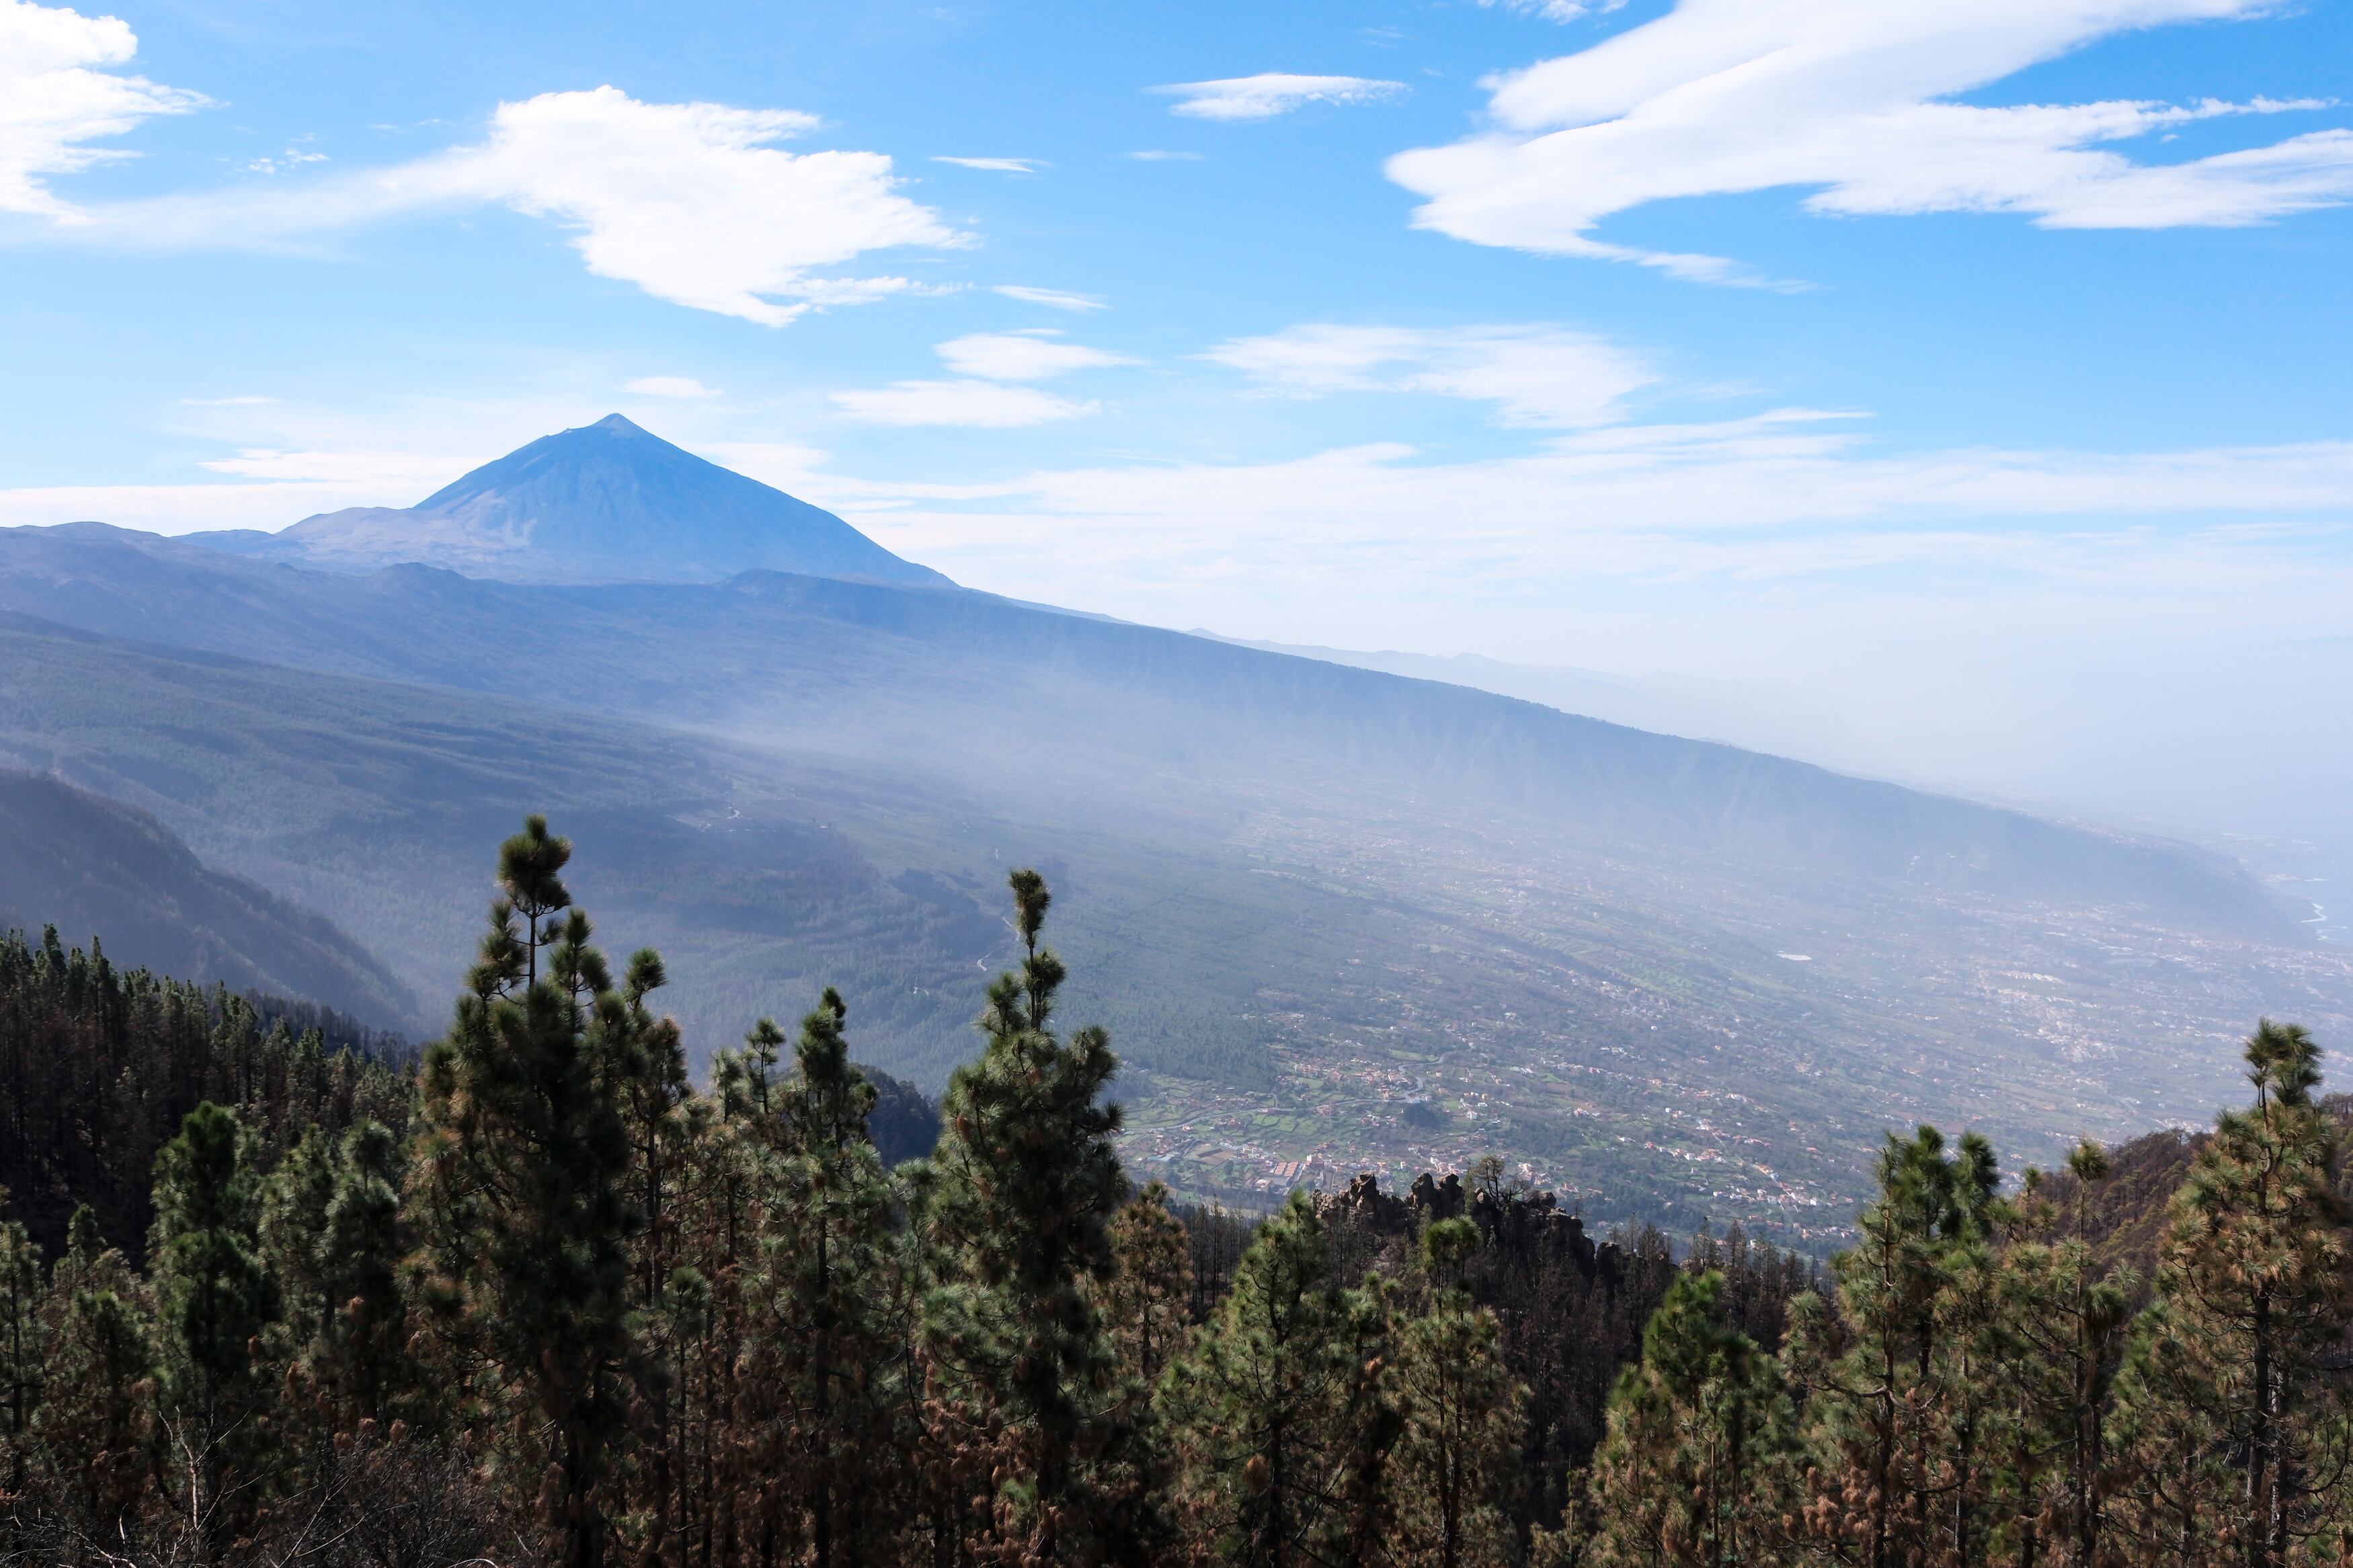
x=1982, y=367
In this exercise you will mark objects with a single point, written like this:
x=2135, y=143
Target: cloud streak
x=974, y=404
x=1539, y=376
x=669, y=386
x=1052, y=299
x=1271, y=94
x=1855, y=101
x=996, y=166
x=981, y=399
x=1029, y=355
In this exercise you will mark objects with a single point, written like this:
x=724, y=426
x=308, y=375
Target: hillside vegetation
x=86, y=864
x=552, y=1303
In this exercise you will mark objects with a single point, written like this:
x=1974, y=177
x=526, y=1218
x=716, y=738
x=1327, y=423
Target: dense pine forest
x=274, y=1290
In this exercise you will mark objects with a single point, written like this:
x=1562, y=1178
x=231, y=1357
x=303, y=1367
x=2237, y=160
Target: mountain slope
x=1144, y=720
x=1785, y=721
x=603, y=504
x=763, y=876
x=1285, y=966
x=91, y=867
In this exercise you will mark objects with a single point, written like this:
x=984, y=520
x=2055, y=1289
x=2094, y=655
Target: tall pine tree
x=1894, y=1415
x=824, y=1356
x=1696, y=1430
x=2235, y=1399
x=1027, y=1183
x=525, y=1190
x=21, y=1352
x=216, y=1302
x=1457, y=1450
x=1262, y=1407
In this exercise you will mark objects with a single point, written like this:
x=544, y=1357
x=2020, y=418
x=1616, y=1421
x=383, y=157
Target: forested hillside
x=552, y=1302
x=89, y=865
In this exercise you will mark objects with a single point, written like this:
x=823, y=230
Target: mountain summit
x=605, y=503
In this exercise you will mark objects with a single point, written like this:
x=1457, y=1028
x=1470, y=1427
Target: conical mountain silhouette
x=605, y=503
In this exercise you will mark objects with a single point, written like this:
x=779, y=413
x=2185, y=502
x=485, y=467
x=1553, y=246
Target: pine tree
x=331, y=1240
x=824, y=1353
x=1695, y=1429
x=1027, y=1183
x=1457, y=1449
x=293, y=1222
x=364, y=1360
x=524, y=1191
x=2065, y=1319
x=2174, y=1477
x=1260, y=1406
x=21, y=1351
x=96, y=1424
x=1145, y=1303
x=216, y=1302
x=1894, y=1412
x=2234, y=1398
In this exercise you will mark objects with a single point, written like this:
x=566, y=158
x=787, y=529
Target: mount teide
x=603, y=504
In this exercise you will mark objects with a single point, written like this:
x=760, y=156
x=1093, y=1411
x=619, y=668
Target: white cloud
x=1029, y=355
x=669, y=386
x=787, y=465
x=1161, y=155
x=1536, y=376
x=286, y=163
x=1271, y=94
x=53, y=100
x=687, y=201
x=977, y=404
x=1853, y=99
x=378, y=471
x=184, y=509
x=261, y=487
x=1791, y=508
x=979, y=399
x=1053, y=299
x=998, y=165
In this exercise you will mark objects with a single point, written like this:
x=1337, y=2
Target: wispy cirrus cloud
x=1856, y=102
x=974, y=404
x=56, y=96
x=689, y=202
x=998, y=165
x=1270, y=93
x=1029, y=355
x=1052, y=299
x=982, y=397
x=371, y=469
x=670, y=386
x=1536, y=376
